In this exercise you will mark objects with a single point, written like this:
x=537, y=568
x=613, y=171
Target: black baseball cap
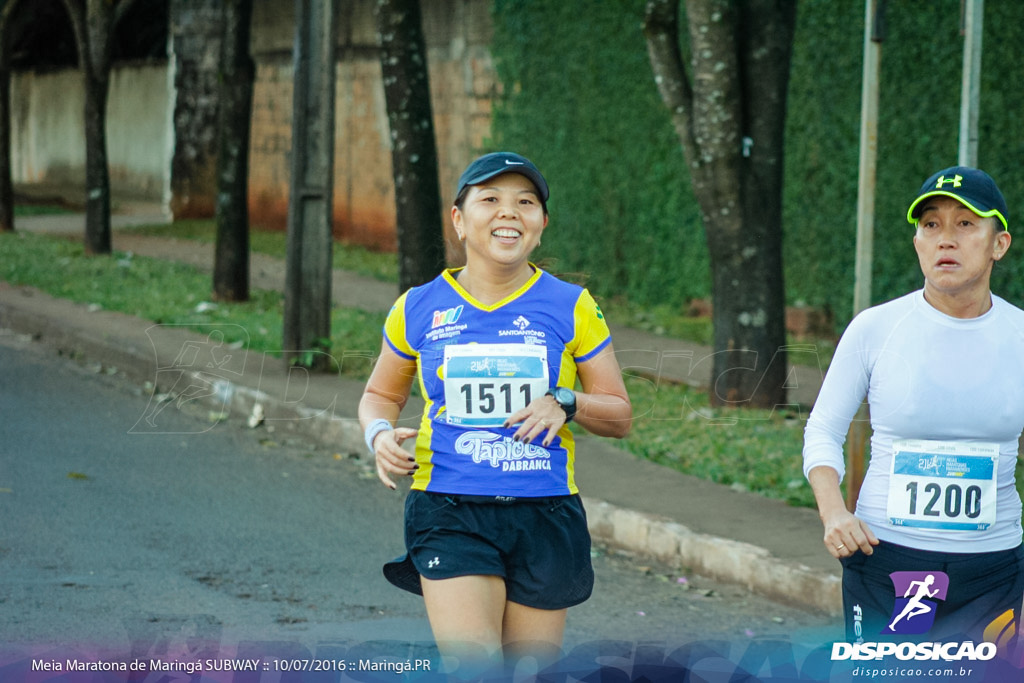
x=972, y=187
x=496, y=163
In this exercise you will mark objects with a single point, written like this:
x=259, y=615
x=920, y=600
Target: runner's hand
x=846, y=533
x=541, y=415
x=391, y=457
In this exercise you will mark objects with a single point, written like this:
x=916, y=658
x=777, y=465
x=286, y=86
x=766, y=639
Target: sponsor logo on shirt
x=522, y=325
x=501, y=451
x=448, y=317
x=444, y=325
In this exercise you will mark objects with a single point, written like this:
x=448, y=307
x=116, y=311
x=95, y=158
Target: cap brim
x=401, y=572
x=538, y=180
x=966, y=201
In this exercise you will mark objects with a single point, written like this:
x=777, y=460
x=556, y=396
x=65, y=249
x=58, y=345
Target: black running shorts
x=540, y=546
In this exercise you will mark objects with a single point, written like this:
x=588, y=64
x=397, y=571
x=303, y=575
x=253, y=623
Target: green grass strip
x=379, y=265
x=171, y=293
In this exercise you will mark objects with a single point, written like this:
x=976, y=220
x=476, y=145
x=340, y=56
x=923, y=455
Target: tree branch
x=718, y=94
x=120, y=10
x=7, y=8
x=661, y=28
x=76, y=13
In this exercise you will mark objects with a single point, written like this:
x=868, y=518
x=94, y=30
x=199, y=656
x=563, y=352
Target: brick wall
x=462, y=87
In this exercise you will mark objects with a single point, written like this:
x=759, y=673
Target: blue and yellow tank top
x=479, y=364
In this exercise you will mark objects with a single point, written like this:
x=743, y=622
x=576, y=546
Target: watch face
x=566, y=398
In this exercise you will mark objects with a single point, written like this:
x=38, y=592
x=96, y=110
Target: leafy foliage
x=621, y=207
x=580, y=100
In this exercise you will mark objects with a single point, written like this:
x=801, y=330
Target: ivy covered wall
x=580, y=100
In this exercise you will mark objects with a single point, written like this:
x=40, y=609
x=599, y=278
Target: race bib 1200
x=948, y=485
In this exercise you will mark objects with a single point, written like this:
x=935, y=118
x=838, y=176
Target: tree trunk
x=97, y=173
x=403, y=61
x=7, y=9
x=197, y=31
x=730, y=122
x=307, y=299
x=6, y=183
x=231, y=262
x=93, y=22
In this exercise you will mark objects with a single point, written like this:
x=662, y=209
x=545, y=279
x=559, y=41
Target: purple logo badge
x=917, y=596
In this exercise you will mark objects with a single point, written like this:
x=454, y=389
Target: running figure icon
x=915, y=606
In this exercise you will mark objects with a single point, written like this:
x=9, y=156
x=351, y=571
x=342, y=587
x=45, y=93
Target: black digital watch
x=566, y=398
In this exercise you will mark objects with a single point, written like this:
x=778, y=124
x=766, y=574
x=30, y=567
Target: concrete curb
x=724, y=559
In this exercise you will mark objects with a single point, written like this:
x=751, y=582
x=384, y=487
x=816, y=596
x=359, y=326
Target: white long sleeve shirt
x=952, y=382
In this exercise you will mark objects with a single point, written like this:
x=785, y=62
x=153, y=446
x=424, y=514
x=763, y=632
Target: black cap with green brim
x=972, y=187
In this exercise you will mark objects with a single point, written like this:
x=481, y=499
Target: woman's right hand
x=845, y=534
x=391, y=457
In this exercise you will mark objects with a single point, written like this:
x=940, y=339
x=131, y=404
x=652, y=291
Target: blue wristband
x=376, y=427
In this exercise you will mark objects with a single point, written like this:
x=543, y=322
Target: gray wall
x=48, y=132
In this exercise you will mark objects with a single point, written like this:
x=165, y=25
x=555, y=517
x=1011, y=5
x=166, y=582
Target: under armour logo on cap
x=956, y=180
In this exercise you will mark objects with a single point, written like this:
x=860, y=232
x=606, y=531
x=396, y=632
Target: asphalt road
x=221, y=537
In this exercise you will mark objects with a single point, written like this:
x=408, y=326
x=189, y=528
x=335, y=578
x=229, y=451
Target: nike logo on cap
x=513, y=163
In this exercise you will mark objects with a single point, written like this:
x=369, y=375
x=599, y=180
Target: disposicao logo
x=917, y=596
x=947, y=652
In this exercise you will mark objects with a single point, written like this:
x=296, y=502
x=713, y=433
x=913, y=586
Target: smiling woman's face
x=501, y=220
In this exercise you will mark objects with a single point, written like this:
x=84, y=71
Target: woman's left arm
x=602, y=407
